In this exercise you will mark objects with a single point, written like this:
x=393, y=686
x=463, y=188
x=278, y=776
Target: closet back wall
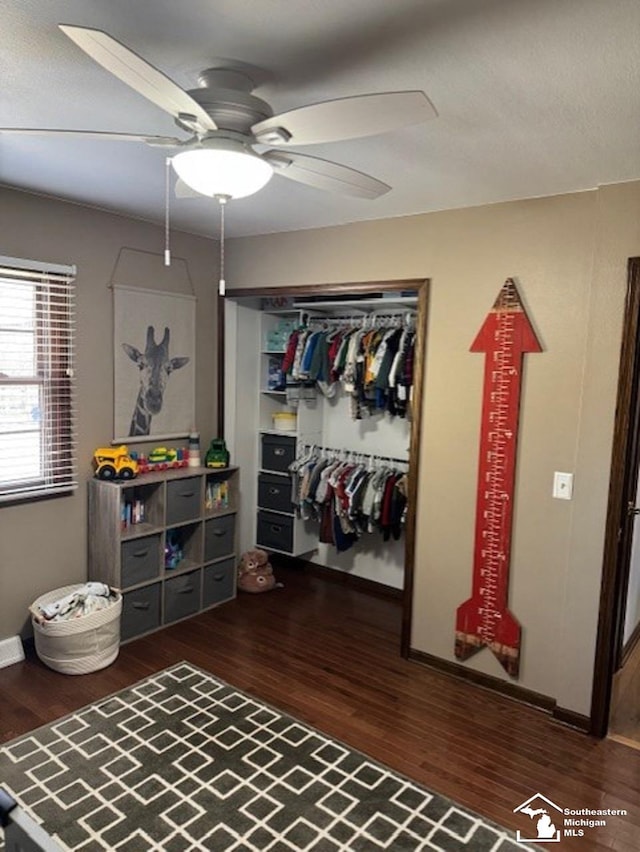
x=569, y=255
x=43, y=545
x=332, y=424
x=372, y=557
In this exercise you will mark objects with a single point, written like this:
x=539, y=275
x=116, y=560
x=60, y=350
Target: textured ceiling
x=535, y=97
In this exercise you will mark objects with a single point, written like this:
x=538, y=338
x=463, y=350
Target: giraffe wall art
x=155, y=367
x=154, y=349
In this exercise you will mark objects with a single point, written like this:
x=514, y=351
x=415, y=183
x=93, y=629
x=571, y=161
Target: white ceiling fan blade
x=138, y=74
x=323, y=174
x=345, y=118
x=156, y=141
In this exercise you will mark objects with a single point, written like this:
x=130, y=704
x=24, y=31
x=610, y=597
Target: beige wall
x=569, y=255
x=43, y=545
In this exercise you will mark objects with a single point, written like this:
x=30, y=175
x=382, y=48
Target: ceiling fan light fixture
x=224, y=168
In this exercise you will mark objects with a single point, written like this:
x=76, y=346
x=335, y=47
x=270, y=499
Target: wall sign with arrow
x=484, y=619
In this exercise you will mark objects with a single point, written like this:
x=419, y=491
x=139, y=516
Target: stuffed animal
x=255, y=573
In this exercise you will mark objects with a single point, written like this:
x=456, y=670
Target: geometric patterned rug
x=182, y=761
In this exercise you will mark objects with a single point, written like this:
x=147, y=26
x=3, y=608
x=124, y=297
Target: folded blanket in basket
x=86, y=599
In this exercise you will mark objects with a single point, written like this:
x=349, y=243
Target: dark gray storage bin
x=274, y=492
x=140, y=611
x=140, y=560
x=183, y=500
x=219, y=582
x=275, y=532
x=219, y=537
x=277, y=452
x=181, y=596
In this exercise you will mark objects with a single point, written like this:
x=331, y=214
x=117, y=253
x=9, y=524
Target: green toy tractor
x=217, y=454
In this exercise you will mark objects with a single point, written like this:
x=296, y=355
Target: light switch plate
x=562, y=485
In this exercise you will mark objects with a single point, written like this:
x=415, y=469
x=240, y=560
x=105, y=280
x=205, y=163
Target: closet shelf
x=367, y=307
x=140, y=530
x=184, y=567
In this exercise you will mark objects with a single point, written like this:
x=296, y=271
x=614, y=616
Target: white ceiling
x=535, y=97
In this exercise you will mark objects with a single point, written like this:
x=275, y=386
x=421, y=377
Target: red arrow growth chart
x=484, y=618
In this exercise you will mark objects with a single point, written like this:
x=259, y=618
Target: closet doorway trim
x=360, y=288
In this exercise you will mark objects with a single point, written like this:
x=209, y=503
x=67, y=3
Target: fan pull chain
x=167, y=251
x=222, y=200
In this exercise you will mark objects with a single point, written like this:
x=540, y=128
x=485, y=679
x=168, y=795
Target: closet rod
x=341, y=318
x=362, y=316
x=354, y=452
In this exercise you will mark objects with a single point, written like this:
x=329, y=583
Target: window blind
x=37, y=395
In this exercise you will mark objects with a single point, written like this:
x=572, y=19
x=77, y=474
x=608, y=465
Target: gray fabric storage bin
x=219, y=537
x=140, y=560
x=274, y=492
x=183, y=500
x=275, y=532
x=277, y=452
x=182, y=596
x=219, y=582
x=141, y=611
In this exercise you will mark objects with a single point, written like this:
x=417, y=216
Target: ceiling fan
x=228, y=153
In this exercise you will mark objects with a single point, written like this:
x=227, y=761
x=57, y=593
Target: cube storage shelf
x=185, y=518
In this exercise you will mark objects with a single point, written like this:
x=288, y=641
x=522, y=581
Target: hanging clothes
x=348, y=496
x=372, y=365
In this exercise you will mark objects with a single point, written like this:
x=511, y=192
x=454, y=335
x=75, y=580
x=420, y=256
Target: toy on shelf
x=161, y=458
x=217, y=454
x=173, y=550
x=163, y=454
x=114, y=463
x=194, y=450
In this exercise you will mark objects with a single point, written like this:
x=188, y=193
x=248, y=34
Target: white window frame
x=54, y=340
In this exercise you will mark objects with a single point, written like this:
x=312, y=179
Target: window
x=37, y=432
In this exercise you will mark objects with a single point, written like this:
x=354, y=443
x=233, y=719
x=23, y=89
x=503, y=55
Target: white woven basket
x=80, y=645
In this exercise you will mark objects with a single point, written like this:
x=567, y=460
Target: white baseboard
x=11, y=651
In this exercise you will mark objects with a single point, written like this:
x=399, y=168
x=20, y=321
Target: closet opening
x=320, y=403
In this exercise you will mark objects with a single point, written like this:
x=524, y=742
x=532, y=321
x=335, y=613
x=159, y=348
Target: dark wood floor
x=328, y=654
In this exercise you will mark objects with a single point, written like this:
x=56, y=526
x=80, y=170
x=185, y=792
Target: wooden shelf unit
x=180, y=506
